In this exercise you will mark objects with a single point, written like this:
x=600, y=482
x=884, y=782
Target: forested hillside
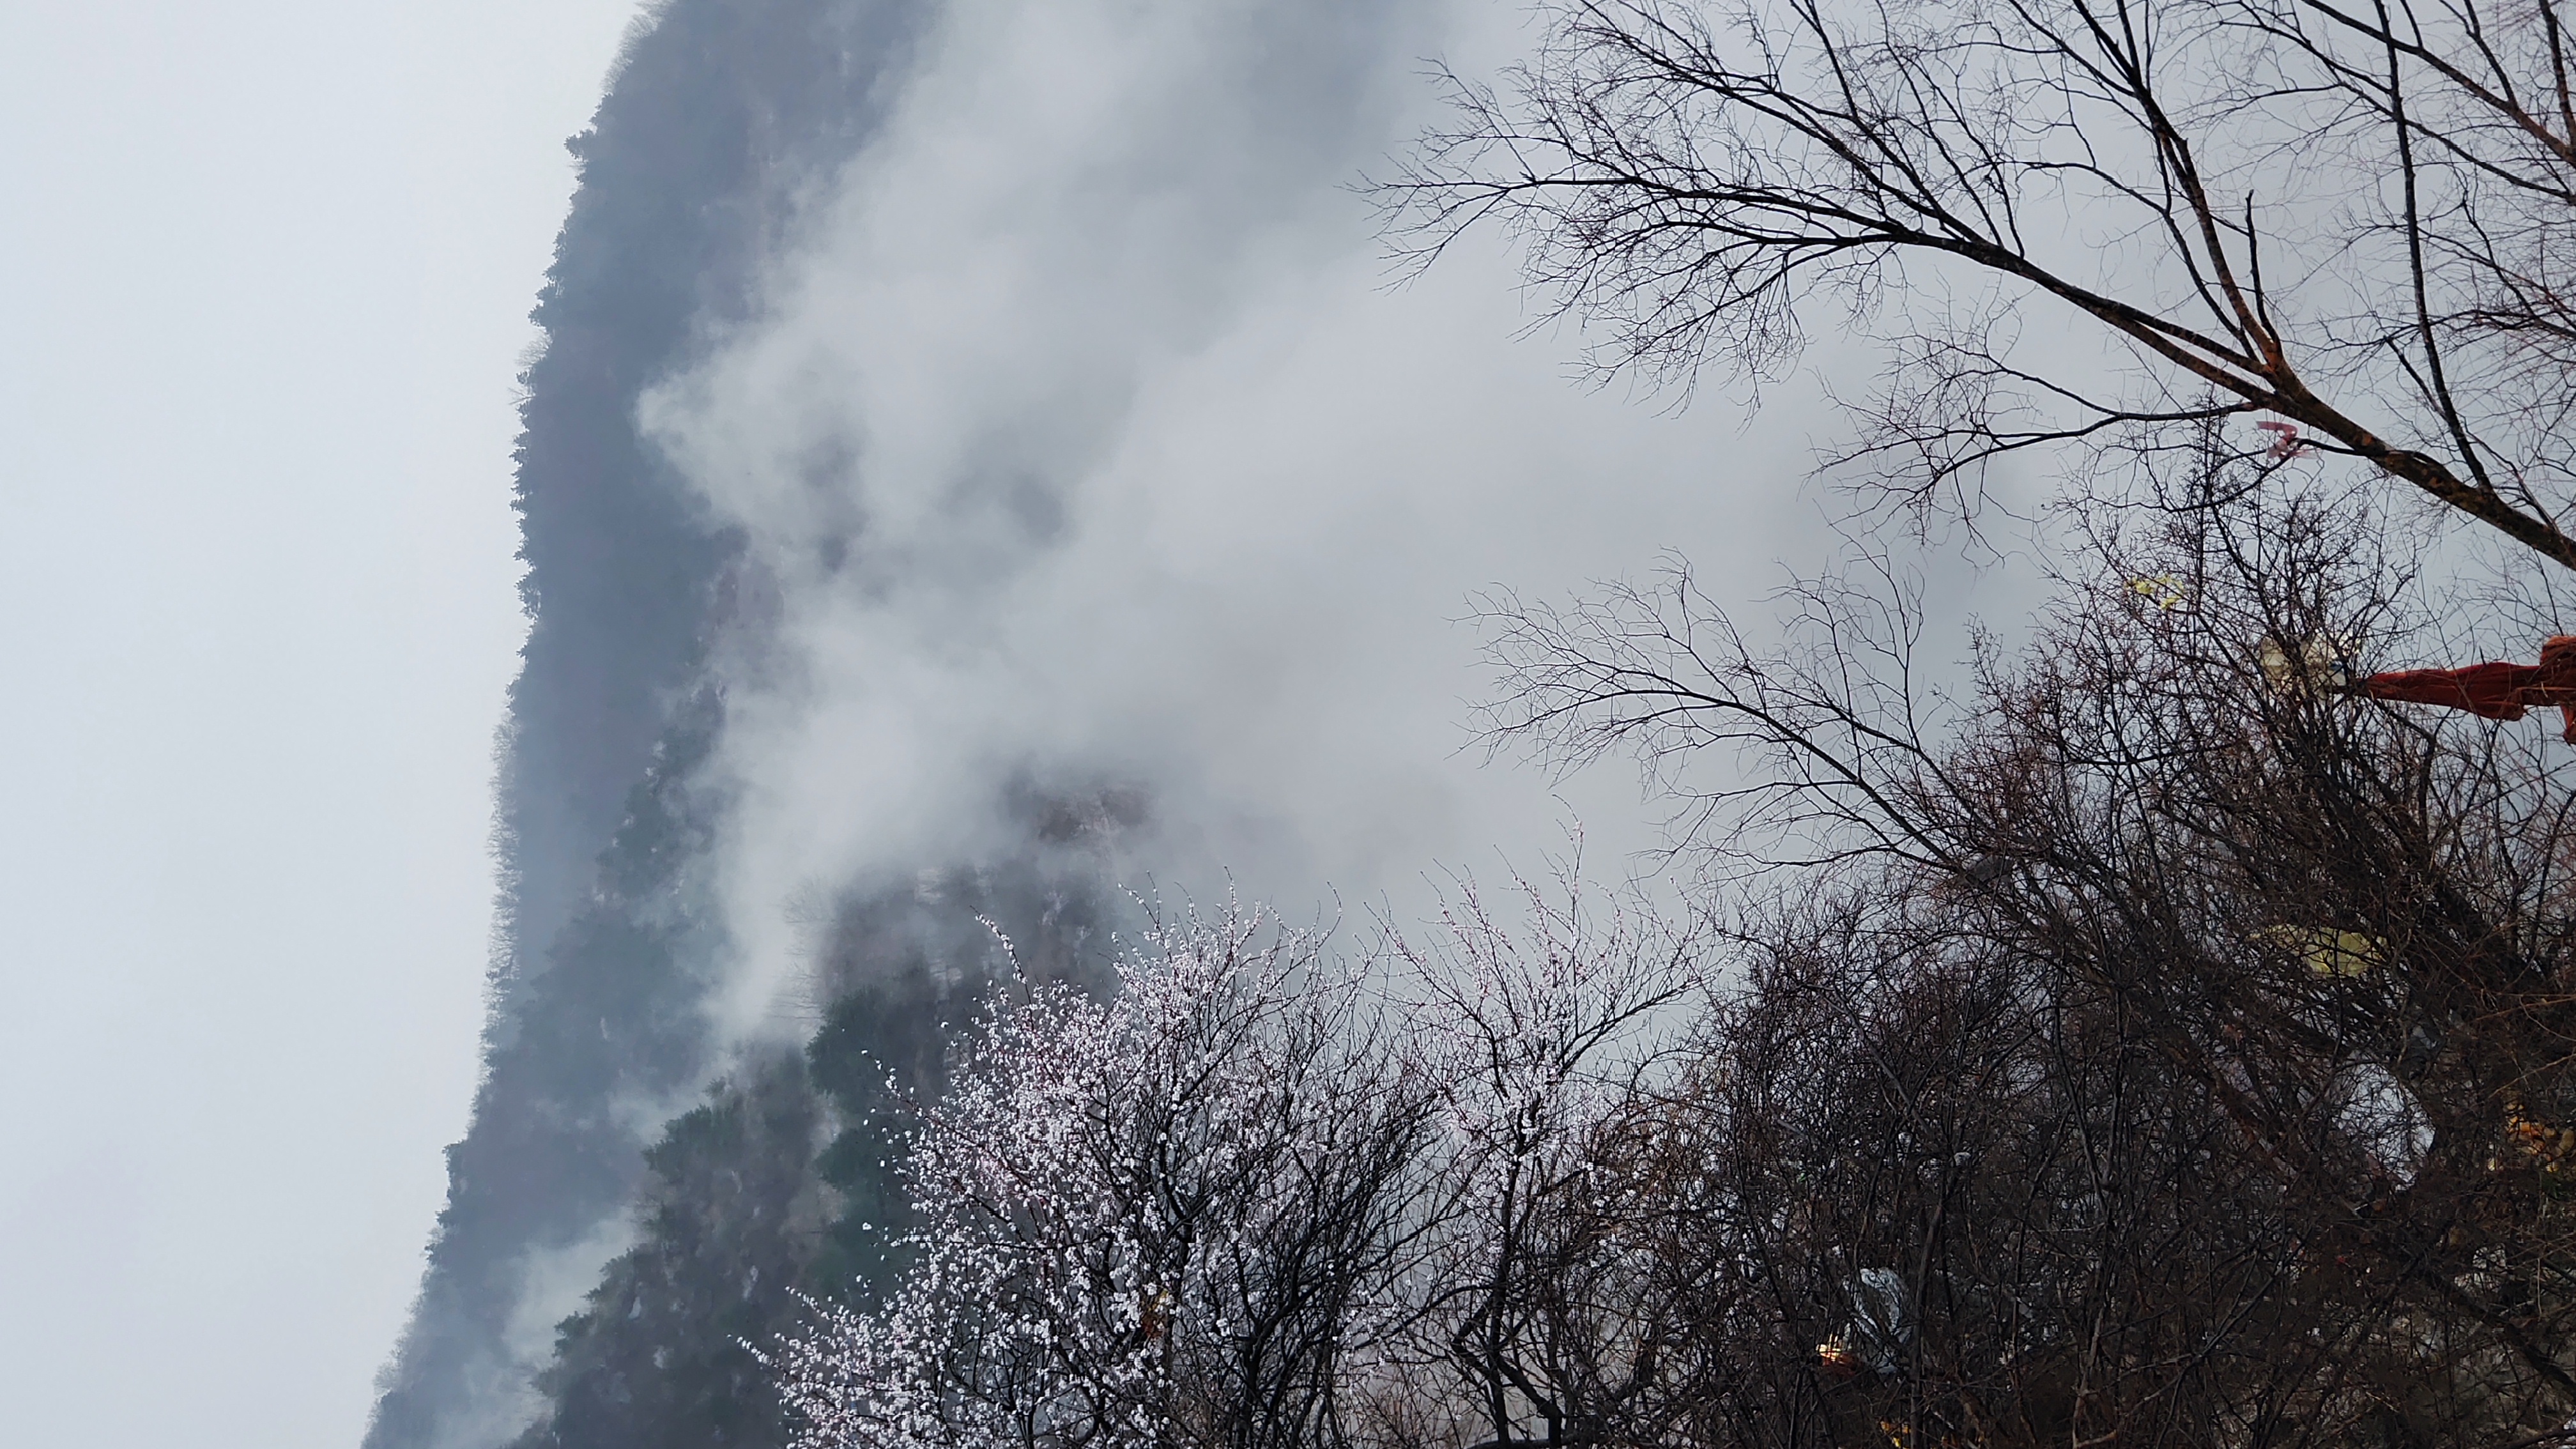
x=787, y=1180
x=716, y=112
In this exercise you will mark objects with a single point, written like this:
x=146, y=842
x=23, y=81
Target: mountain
x=716, y=113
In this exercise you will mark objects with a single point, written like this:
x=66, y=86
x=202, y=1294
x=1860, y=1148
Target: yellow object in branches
x=2162, y=590
x=2329, y=952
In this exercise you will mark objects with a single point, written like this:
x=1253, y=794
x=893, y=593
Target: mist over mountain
x=974, y=472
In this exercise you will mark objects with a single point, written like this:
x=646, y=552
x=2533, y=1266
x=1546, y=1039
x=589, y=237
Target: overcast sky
x=264, y=271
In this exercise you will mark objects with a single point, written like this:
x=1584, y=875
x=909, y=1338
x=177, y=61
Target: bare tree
x=2174, y=1048
x=1539, y=1026
x=2351, y=217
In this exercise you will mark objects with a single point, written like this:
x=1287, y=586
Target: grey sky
x=264, y=272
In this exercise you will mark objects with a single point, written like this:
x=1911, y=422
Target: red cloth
x=2493, y=690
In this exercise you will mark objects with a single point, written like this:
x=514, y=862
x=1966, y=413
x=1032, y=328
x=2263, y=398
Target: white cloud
x=1084, y=439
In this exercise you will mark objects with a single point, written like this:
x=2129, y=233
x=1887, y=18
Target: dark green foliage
x=788, y=1180
x=658, y=1359
x=878, y=1047
x=739, y=1215
x=906, y=970
x=613, y=1015
x=716, y=116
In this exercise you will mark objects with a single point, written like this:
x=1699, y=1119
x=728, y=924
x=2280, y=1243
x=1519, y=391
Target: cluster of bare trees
x=2175, y=1047
x=2155, y=1044
x=2180, y=1052
x=2170, y=1048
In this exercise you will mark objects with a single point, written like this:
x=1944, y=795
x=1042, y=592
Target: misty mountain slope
x=655, y=1359
x=611, y=1023
x=715, y=114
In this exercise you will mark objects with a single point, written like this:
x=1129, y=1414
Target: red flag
x=2494, y=690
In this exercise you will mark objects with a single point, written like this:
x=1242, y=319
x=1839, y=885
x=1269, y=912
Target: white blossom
x=1240, y=1195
